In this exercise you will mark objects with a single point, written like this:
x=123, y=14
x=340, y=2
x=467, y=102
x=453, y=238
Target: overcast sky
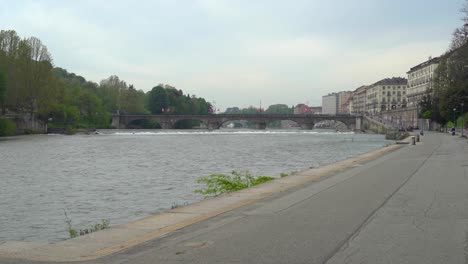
x=239, y=52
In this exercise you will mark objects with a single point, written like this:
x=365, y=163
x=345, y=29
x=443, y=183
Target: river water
x=126, y=175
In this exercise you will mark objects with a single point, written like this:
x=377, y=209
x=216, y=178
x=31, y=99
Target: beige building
x=420, y=80
x=387, y=94
x=358, y=100
x=344, y=101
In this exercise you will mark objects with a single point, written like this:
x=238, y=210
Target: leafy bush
x=7, y=128
x=427, y=114
x=217, y=184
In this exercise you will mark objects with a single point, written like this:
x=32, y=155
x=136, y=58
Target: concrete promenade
x=408, y=206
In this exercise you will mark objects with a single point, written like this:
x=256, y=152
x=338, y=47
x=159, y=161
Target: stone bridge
x=215, y=121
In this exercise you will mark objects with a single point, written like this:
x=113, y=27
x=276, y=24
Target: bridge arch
x=258, y=124
x=335, y=124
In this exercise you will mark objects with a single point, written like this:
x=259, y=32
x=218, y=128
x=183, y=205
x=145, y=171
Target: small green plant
x=7, y=127
x=217, y=184
x=72, y=232
x=105, y=224
x=284, y=175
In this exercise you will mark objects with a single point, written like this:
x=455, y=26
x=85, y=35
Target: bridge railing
x=246, y=116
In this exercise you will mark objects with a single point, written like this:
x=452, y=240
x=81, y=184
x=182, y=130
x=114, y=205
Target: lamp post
x=417, y=114
x=454, y=119
x=463, y=118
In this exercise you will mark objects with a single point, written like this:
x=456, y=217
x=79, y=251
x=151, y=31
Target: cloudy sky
x=239, y=52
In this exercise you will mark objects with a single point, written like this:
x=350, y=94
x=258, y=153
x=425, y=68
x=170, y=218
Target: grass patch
x=217, y=184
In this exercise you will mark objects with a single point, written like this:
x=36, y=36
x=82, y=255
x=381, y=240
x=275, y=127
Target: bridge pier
x=116, y=122
x=358, y=125
x=166, y=125
x=213, y=125
x=260, y=125
x=307, y=126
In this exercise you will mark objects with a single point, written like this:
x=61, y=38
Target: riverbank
x=122, y=237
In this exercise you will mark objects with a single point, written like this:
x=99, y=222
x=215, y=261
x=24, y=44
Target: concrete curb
x=123, y=237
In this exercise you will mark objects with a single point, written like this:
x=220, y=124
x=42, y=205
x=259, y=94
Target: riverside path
x=409, y=206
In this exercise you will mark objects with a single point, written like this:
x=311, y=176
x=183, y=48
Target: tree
x=426, y=104
x=110, y=91
x=158, y=101
x=279, y=109
x=9, y=42
x=232, y=110
x=35, y=71
x=450, y=85
x=132, y=101
x=2, y=92
x=460, y=35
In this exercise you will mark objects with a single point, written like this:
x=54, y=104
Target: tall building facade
x=330, y=104
x=344, y=101
x=420, y=80
x=359, y=100
x=387, y=94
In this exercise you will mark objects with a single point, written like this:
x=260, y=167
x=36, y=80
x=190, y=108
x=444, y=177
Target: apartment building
x=344, y=101
x=387, y=94
x=330, y=104
x=420, y=80
x=358, y=100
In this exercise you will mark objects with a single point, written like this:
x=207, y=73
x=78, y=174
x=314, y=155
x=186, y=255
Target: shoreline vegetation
x=31, y=85
x=7, y=128
x=217, y=184
x=73, y=233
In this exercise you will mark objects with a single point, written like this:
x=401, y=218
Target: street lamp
x=454, y=118
x=463, y=118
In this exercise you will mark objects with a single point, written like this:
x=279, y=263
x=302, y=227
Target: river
x=126, y=175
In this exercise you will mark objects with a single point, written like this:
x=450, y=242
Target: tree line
x=29, y=83
x=449, y=102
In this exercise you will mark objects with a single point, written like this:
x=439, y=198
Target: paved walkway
x=410, y=206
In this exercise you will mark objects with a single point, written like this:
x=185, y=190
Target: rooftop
x=424, y=64
x=392, y=81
